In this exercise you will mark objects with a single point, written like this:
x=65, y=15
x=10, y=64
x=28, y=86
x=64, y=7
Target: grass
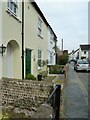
x=12, y=114
x=50, y=78
x=59, y=81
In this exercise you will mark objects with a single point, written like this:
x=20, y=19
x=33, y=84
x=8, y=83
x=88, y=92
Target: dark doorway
x=28, y=61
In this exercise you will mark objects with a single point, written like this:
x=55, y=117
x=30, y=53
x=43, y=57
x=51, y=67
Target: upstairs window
x=13, y=6
x=51, y=58
x=51, y=37
x=39, y=26
x=84, y=52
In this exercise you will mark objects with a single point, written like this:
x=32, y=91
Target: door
x=28, y=61
x=9, y=61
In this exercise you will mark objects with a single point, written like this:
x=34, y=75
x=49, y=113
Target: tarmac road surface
x=76, y=96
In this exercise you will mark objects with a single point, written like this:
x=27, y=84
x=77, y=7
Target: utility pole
x=22, y=39
x=62, y=44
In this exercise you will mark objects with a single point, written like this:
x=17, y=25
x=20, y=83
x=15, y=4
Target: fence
x=54, y=101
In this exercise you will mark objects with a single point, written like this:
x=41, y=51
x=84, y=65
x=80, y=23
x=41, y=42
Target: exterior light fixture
x=2, y=49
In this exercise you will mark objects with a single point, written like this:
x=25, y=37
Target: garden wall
x=24, y=94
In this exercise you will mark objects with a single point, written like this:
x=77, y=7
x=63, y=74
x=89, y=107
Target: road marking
x=84, y=91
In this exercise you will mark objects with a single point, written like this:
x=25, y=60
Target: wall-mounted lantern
x=2, y=49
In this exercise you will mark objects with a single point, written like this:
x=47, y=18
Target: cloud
x=69, y=20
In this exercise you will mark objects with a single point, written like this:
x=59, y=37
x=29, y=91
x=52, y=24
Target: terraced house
x=39, y=39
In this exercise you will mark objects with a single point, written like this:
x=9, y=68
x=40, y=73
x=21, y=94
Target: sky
x=68, y=19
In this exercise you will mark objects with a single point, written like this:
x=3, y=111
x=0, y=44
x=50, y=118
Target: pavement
x=76, y=96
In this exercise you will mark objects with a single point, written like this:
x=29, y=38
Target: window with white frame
x=84, y=52
x=39, y=57
x=51, y=58
x=13, y=6
x=51, y=37
x=39, y=26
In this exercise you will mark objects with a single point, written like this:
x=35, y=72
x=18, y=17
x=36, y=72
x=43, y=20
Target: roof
x=76, y=51
x=71, y=52
x=85, y=47
x=40, y=12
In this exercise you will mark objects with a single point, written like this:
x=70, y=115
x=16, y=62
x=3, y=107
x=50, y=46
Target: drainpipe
x=22, y=39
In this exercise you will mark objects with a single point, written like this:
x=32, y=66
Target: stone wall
x=24, y=94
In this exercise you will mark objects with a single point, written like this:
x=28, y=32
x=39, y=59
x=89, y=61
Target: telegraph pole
x=22, y=39
x=62, y=44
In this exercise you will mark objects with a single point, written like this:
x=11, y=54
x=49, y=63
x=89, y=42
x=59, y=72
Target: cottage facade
x=36, y=39
x=51, y=50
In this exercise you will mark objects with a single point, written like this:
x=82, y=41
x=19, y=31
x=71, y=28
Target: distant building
x=84, y=51
x=74, y=55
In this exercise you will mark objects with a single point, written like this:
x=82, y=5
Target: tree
x=62, y=59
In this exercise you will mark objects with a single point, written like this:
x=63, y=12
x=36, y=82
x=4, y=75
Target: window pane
x=51, y=58
x=8, y=4
x=11, y=5
x=15, y=9
x=39, y=54
x=39, y=26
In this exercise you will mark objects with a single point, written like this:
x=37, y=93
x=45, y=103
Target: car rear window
x=82, y=62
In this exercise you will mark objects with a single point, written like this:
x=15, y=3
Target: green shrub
x=44, y=73
x=62, y=59
x=30, y=77
x=56, y=69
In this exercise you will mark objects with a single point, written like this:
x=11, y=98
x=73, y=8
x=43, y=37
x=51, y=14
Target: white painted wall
x=0, y=57
x=0, y=38
x=33, y=41
x=11, y=30
x=75, y=55
x=10, y=61
x=71, y=57
x=81, y=53
x=51, y=44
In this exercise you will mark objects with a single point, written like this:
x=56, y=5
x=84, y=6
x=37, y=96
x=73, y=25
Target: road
x=76, y=94
x=83, y=76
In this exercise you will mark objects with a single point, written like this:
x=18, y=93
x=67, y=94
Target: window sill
x=12, y=14
x=40, y=36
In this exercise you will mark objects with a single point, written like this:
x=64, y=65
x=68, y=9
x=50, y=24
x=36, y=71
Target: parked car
x=82, y=65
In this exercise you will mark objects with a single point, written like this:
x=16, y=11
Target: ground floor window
x=39, y=58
